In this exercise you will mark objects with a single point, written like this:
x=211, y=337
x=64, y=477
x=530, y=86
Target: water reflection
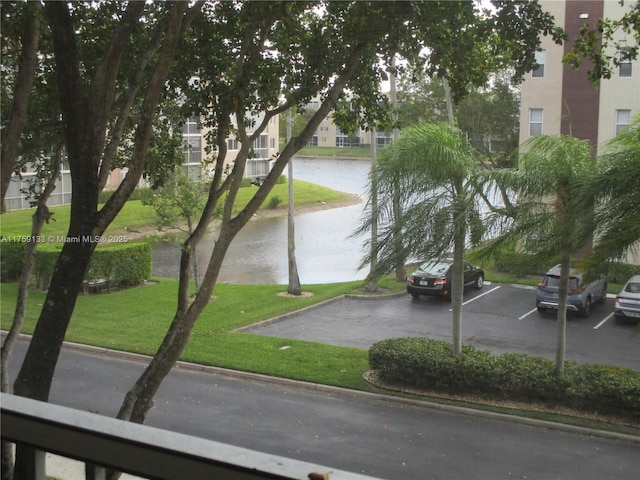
x=324, y=251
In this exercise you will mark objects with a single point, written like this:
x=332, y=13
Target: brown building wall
x=580, y=97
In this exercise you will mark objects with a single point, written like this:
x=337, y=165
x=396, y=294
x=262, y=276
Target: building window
x=190, y=127
x=232, y=144
x=540, y=60
x=624, y=64
x=259, y=148
x=192, y=142
x=535, y=122
x=192, y=149
x=623, y=119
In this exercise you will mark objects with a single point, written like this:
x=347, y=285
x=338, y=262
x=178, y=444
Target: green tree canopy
x=432, y=170
x=617, y=188
x=236, y=65
x=551, y=212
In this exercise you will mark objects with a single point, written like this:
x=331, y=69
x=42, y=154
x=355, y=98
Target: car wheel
x=479, y=282
x=586, y=309
x=542, y=311
x=415, y=295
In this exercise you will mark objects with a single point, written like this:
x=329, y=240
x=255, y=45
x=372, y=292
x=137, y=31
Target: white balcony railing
x=103, y=442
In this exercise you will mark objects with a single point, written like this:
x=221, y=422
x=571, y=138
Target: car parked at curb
x=433, y=277
x=580, y=297
x=627, y=305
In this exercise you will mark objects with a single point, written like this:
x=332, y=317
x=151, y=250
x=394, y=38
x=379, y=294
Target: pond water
x=325, y=253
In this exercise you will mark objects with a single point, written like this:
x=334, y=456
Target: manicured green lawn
x=136, y=319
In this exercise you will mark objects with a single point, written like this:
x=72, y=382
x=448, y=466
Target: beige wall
x=616, y=92
x=545, y=92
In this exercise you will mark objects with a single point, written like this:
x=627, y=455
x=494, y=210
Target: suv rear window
x=553, y=281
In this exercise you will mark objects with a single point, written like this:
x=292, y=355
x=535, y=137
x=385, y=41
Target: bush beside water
x=113, y=266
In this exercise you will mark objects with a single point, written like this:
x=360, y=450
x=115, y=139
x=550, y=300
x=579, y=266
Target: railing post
x=34, y=462
x=94, y=472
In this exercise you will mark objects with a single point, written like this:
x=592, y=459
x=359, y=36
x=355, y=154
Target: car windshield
x=632, y=287
x=435, y=268
x=554, y=281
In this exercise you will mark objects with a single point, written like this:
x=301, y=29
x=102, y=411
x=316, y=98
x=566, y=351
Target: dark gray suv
x=580, y=296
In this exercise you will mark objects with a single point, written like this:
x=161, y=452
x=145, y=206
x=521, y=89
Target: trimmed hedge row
x=431, y=364
x=137, y=194
x=121, y=265
x=522, y=264
x=118, y=265
x=11, y=257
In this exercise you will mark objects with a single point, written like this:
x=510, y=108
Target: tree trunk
x=39, y=218
x=457, y=281
x=294, y=279
x=86, y=121
x=139, y=399
x=561, y=330
x=372, y=279
x=400, y=270
x=17, y=114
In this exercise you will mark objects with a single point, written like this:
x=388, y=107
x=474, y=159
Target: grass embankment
x=135, y=215
x=335, y=152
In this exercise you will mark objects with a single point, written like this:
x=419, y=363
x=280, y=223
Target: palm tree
x=618, y=188
x=434, y=168
x=553, y=214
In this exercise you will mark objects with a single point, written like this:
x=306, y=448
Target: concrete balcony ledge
x=139, y=450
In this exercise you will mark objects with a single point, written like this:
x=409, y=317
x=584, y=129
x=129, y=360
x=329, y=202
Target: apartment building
x=328, y=134
x=194, y=150
x=556, y=99
x=264, y=150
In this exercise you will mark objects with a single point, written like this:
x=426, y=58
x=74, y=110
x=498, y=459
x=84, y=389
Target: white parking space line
x=527, y=314
x=603, y=321
x=481, y=295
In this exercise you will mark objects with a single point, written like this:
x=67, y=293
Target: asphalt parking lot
x=500, y=317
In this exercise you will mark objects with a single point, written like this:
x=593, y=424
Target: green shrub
x=604, y=389
x=12, y=250
x=274, y=202
x=520, y=264
x=119, y=265
x=618, y=272
x=246, y=182
x=138, y=194
x=45, y=262
x=431, y=364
